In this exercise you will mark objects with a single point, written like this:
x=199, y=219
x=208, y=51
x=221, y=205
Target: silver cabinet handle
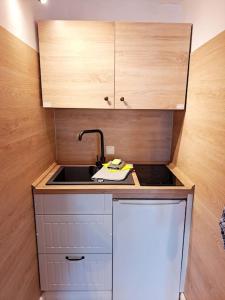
x=75, y=258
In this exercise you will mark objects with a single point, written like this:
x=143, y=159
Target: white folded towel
x=106, y=174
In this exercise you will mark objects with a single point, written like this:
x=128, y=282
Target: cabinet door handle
x=75, y=258
x=122, y=99
x=106, y=98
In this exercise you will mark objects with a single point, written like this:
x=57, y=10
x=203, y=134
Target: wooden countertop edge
x=43, y=175
x=117, y=191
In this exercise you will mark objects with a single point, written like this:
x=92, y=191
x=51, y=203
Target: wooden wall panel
x=138, y=135
x=26, y=150
x=199, y=151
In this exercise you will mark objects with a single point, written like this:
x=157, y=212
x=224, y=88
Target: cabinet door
x=147, y=249
x=151, y=65
x=73, y=204
x=77, y=63
x=78, y=295
x=65, y=272
x=74, y=233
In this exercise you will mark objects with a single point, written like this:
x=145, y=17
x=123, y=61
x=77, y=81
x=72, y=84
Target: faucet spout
x=102, y=157
x=80, y=135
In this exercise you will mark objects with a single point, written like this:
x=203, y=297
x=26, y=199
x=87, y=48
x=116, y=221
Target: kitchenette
x=114, y=227
x=112, y=141
x=99, y=239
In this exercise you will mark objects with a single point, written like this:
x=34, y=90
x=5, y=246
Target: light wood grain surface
x=151, y=63
x=138, y=135
x=199, y=153
x=26, y=150
x=82, y=62
x=77, y=63
x=118, y=191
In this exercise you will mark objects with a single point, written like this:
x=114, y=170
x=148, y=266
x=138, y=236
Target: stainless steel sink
x=78, y=175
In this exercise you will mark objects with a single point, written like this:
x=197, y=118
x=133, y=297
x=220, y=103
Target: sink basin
x=73, y=175
x=79, y=175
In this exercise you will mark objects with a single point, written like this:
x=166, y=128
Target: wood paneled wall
x=138, y=135
x=26, y=150
x=199, y=151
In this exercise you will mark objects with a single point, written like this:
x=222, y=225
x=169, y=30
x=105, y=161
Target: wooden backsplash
x=138, y=135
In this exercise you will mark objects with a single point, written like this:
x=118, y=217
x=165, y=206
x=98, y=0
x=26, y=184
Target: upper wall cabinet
x=151, y=65
x=77, y=63
x=84, y=62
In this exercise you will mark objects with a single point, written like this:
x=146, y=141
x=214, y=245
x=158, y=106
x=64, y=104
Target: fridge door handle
x=149, y=202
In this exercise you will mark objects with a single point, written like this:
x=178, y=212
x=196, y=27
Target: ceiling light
x=43, y=1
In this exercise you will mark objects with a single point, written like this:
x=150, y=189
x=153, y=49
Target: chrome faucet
x=100, y=161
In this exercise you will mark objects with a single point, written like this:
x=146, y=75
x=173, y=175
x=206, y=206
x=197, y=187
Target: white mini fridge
x=147, y=249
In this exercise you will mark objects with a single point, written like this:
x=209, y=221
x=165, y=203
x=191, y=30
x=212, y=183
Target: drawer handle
x=75, y=258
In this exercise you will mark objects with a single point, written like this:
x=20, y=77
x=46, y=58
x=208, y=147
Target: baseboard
x=182, y=297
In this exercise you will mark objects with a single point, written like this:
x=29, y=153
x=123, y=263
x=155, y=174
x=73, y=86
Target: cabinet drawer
x=68, y=204
x=83, y=295
x=93, y=273
x=74, y=233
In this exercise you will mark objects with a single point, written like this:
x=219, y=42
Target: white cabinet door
x=74, y=233
x=79, y=295
x=73, y=204
x=93, y=272
x=147, y=249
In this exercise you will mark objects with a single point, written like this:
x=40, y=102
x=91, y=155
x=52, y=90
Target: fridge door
x=147, y=249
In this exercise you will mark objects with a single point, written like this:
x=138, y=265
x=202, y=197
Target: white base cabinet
x=93, y=248
x=147, y=249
